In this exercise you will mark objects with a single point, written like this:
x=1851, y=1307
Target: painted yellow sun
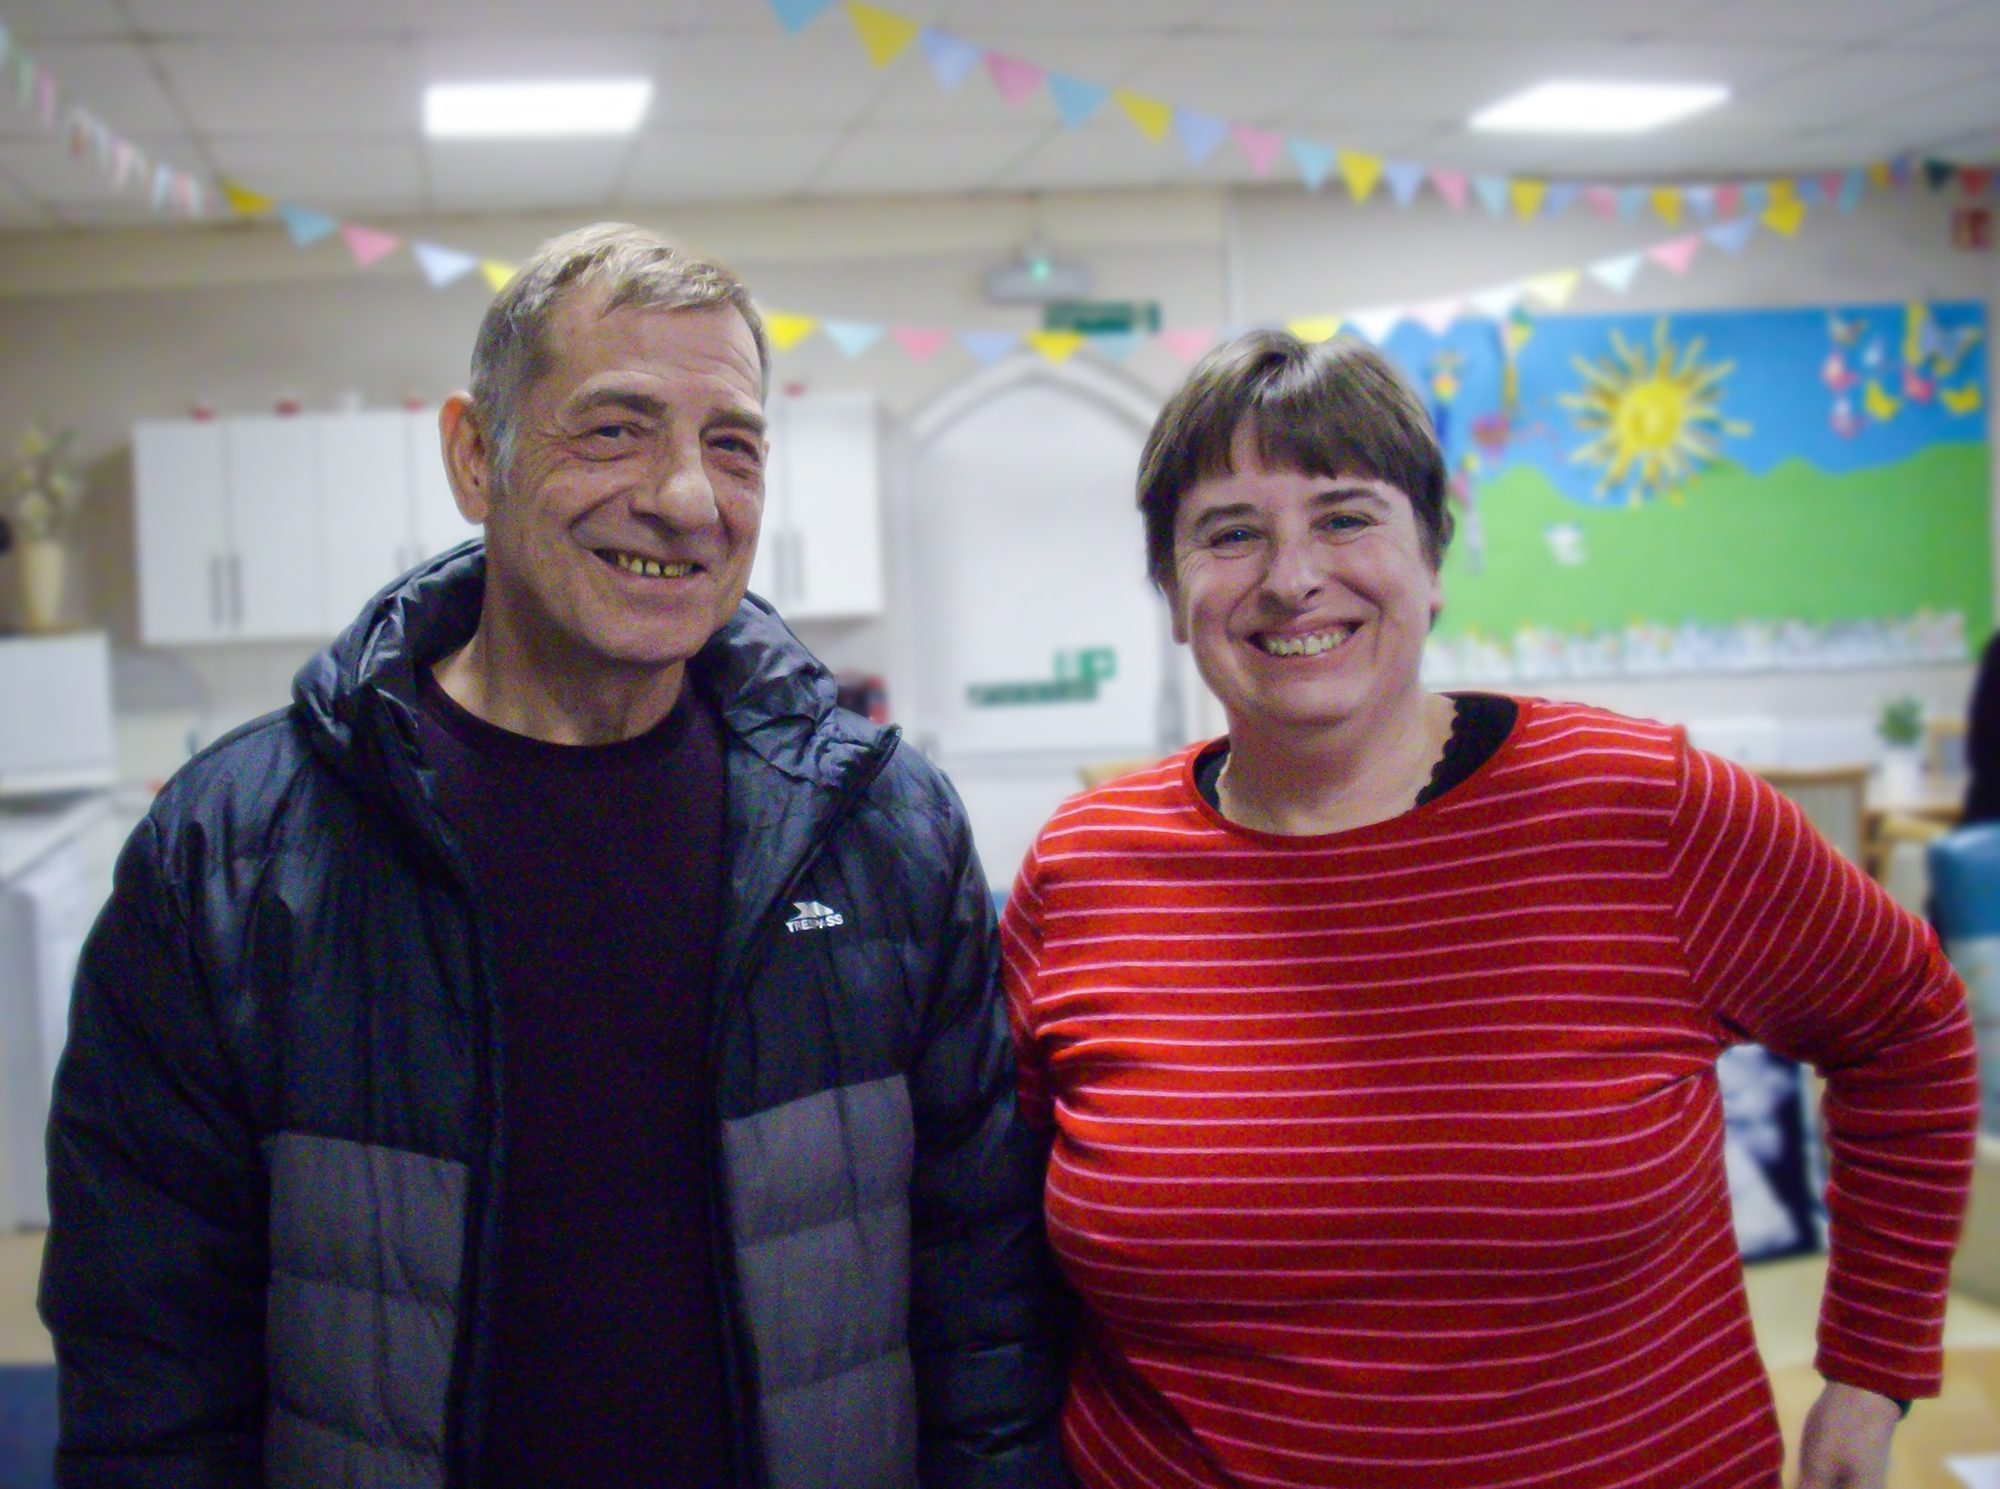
x=1652, y=419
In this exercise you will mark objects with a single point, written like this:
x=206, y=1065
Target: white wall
x=101, y=329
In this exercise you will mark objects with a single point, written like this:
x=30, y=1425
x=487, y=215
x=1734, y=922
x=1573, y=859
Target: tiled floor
x=1784, y=1300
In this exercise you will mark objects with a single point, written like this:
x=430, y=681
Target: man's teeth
x=1304, y=646
x=651, y=568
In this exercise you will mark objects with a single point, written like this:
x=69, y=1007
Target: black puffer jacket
x=274, y=1154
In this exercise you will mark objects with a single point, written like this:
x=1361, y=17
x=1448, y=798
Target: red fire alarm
x=1972, y=229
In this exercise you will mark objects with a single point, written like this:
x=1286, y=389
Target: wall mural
x=1641, y=495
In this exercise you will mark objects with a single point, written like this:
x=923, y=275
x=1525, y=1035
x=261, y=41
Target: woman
x=1377, y=1040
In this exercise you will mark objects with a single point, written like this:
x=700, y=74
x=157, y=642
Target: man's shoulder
x=250, y=775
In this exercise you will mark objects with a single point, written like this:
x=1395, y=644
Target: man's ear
x=1170, y=590
x=468, y=457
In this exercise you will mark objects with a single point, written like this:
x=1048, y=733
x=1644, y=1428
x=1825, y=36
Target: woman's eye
x=1223, y=537
x=1343, y=522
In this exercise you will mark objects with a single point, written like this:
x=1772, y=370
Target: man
x=561, y=1048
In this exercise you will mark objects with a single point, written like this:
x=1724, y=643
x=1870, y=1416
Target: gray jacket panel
x=819, y=1223
x=361, y=1314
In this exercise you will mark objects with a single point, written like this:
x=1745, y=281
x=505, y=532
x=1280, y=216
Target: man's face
x=620, y=535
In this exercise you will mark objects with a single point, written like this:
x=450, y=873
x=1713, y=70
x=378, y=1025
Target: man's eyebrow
x=625, y=398
x=750, y=420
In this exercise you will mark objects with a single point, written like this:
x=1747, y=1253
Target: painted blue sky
x=1845, y=389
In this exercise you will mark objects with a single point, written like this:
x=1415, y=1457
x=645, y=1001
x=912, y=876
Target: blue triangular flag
x=1852, y=188
x=988, y=347
x=1114, y=346
x=1732, y=235
x=952, y=58
x=1313, y=161
x=796, y=15
x=1200, y=133
x=1077, y=99
x=1492, y=193
x=442, y=265
x=852, y=337
x=1617, y=273
x=1405, y=180
x=1561, y=196
x=1757, y=196
x=1700, y=200
x=1810, y=191
x=163, y=182
x=1632, y=201
x=305, y=225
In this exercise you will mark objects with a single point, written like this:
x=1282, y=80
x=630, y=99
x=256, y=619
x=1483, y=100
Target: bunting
x=885, y=35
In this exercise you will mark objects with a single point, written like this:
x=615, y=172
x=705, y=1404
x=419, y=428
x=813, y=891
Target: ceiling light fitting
x=491, y=111
x=1568, y=107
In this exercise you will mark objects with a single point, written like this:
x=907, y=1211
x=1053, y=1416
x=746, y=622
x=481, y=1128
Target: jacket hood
x=357, y=699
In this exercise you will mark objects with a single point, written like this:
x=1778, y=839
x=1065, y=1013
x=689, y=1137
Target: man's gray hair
x=633, y=267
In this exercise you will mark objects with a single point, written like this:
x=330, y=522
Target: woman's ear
x=468, y=457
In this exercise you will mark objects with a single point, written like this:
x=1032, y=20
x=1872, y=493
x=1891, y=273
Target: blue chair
x=27, y=1426
x=1965, y=894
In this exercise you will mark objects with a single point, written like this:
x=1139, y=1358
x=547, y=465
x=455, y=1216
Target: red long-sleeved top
x=1394, y=1156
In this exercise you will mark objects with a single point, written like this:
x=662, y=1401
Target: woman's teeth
x=650, y=568
x=1304, y=646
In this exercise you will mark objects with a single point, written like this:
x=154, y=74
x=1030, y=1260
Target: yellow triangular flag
x=497, y=274
x=1153, y=117
x=1055, y=345
x=1881, y=175
x=1527, y=195
x=883, y=33
x=787, y=331
x=1667, y=202
x=1784, y=192
x=1553, y=290
x=1784, y=217
x=1361, y=171
x=247, y=203
x=1315, y=328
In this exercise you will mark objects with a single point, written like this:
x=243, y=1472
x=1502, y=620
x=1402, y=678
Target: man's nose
x=678, y=490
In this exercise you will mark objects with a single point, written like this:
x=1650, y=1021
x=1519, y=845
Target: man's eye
x=1224, y=537
x=612, y=432
x=1344, y=522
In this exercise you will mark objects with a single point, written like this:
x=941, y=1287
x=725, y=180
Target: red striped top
x=1394, y=1156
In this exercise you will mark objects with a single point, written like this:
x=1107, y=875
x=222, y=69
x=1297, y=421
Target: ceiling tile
x=463, y=19
x=1248, y=79
x=499, y=57
x=1319, y=19
x=893, y=161
x=295, y=87
x=725, y=165
x=1104, y=152
x=34, y=22
x=1818, y=22
x=372, y=176
x=1838, y=90
x=820, y=77
x=974, y=19
x=1974, y=25
x=523, y=175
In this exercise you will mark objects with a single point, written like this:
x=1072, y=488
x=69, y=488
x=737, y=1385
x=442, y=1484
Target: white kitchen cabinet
x=182, y=533
x=820, y=555
x=268, y=528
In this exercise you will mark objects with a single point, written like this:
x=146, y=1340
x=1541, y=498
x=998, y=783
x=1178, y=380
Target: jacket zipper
x=746, y=1436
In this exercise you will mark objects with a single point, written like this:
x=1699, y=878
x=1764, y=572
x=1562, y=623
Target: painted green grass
x=1796, y=544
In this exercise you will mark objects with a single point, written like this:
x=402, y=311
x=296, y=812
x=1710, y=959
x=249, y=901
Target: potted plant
x=1901, y=727
x=41, y=490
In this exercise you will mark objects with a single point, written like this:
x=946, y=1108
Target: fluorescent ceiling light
x=525, y=110
x=1597, y=108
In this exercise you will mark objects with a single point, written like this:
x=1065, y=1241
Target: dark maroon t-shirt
x=598, y=868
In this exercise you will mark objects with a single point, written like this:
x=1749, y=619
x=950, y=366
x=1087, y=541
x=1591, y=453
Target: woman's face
x=1306, y=599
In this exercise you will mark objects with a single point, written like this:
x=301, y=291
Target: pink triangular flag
x=921, y=342
x=1187, y=344
x=1451, y=186
x=1676, y=255
x=1603, y=201
x=367, y=245
x=1728, y=197
x=1259, y=146
x=1015, y=78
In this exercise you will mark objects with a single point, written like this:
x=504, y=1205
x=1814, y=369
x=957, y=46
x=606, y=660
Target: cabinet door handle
x=236, y=589
x=215, y=589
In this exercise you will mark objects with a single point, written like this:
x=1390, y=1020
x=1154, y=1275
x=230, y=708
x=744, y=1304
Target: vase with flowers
x=1901, y=728
x=41, y=489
